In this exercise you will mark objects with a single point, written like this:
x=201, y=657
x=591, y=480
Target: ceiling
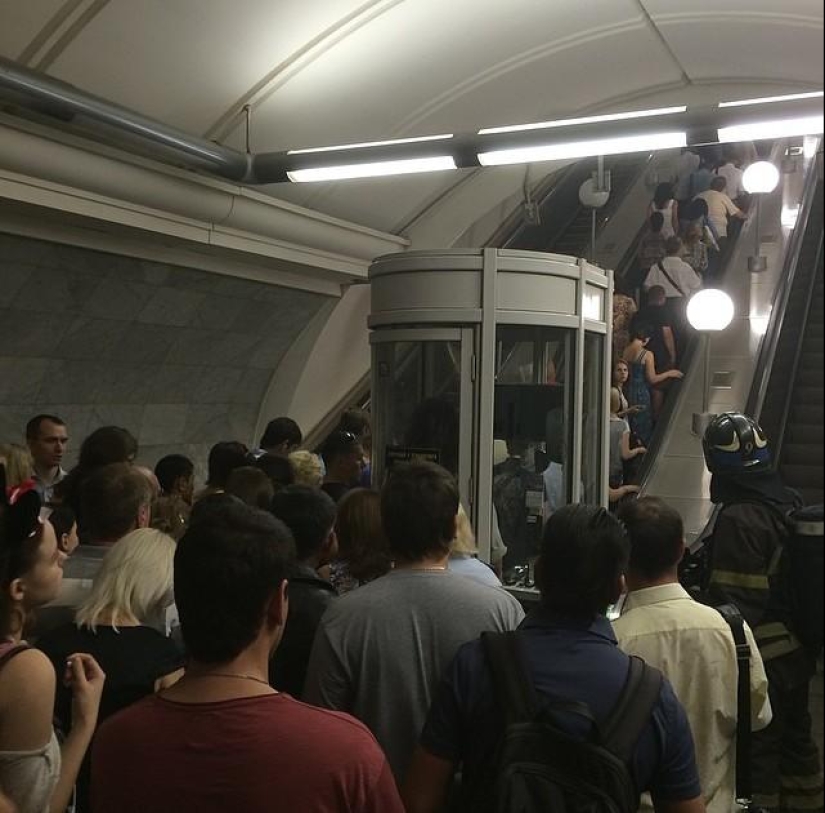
x=323, y=72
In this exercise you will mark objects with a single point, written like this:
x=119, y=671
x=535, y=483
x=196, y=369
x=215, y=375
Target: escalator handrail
x=770, y=342
x=786, y=407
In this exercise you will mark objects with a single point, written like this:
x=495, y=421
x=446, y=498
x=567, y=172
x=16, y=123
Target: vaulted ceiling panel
x=20, y=23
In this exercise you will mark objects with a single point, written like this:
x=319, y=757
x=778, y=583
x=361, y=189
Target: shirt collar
x=542, y=618
x=655, y=595
x=61, y=473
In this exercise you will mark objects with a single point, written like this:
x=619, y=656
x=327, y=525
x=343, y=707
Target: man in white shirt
x=720, y=207
x=691, y=643
x=687, y=164
x=732, y=172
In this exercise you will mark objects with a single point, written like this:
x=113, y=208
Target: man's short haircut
x=228, y=566
x=584, y=551
x=339, y=444
x=111, y=498
x=279, y=431
x=170, y=468
x=419, y=503
x=657, y=222
x=33, y=426
x=356, y=421
x=656, y=536
x=309, y=513
x=640, y=329
x=673, y=245
x=656, y=293
x=251, y=485
x=63, y=519
x=719, y=183
x=223, y=458
x=277, y=468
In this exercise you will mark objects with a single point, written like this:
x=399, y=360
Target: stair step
x=813, y=433
x=802, y=454
x=809, y=377
x=802, y=413
x=810, y=395
x=803, y=476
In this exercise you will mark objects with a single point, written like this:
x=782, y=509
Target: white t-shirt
x=719, y=207
x=733, y=175
x=680, y=272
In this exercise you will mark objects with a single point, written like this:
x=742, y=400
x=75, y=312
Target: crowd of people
x=288, y=639
x=690, y=225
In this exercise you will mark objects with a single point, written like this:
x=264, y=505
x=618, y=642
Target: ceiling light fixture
x=377, y=169
x=792, y=97
x=367, y=144
x=775, y=128
x=546, y=125
x=583, y=149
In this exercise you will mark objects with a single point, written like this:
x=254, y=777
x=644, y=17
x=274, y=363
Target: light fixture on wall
x=709, y=311
x=759, y=179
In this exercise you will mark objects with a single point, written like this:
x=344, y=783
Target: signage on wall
x=409, y=454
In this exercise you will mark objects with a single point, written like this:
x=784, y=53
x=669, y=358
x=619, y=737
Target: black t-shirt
x=133, y=658
x=657, y=317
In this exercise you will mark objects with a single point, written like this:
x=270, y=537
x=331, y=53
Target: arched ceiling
x=322, y=72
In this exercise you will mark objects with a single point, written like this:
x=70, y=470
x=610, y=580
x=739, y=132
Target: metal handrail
x=770, y=343
x=786, y=407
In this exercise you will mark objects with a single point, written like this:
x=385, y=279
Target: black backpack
x=539, y=768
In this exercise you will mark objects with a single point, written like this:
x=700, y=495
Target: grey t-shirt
x=381, y=649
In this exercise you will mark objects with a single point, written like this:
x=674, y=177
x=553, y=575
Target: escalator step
x=805, y=433
x=810, y=377
x=810, y=395
x=807, y=476
x=802, y=454
x=811, y=496
x=806, y=414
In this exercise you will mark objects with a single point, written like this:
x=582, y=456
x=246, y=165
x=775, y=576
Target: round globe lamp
x=709, y=311
x=760, y=178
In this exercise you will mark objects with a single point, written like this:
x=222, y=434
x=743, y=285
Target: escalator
x=792, y=413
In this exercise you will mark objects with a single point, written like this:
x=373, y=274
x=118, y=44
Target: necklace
x=229, y=675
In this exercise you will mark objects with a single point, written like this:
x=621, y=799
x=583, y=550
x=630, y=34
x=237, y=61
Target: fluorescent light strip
x=372, y=144
x=777, y=128
x=817, y=94
x=545, y=125
x=374, y=170
x=583, y=149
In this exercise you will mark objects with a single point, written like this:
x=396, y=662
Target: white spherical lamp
x=710, y=310
x=760, y=178
x=591, y=196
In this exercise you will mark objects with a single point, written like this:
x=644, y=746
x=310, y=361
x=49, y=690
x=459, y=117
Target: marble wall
x=180, y=357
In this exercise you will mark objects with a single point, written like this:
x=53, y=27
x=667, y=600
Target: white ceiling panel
x=20, y=23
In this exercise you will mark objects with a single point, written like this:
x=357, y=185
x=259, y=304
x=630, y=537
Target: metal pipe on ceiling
x=62, y=100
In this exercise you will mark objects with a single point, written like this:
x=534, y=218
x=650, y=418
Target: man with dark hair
x=251, y=485
x=223, y=458
x=47, y=438
x=720, y=208
x=281, y=436
x=176, y=475
x=344, y=460
x=570, y=655
x=380, y=650
x=661, y=623
x=221, y=738
x=309, y=514
x=115, y=500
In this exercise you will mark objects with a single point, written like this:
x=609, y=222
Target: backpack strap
x=632, y=711
x=670, y=279
x=731, y=614
x=513, y=687
x=12, y=652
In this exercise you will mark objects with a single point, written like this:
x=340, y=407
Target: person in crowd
x=363, y=551
x=687, y=164
x=358, y=422
x=621, y=375
x=464, y=553
x=19, y=467
x=661, y=623
x=250, y=485
x=664, y=202
x=651, y=248
x=624, y=309
x=701, y=178
x=680, y=282
x=744, y=545
x=309, y=514
x=381, y=649
x=176, y=476
x=221, y=738
x=643, y=375
x=662, y=342
x=116, y=499
x=306, y=468
x=695, y=250
x=277, y=468
x=344, y=461
x=117, y=625
x=64, y=523
x=281, y=436
x=36, y=773
x=720, y=208
x=570, y=652
x=223, y=458
x=620, y=449
x=731, y=170
x=47, y=438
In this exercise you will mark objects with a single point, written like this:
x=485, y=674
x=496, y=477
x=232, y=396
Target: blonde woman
x=19, y=465
x=463, y=560
x=131, y=593
x=307, y=468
